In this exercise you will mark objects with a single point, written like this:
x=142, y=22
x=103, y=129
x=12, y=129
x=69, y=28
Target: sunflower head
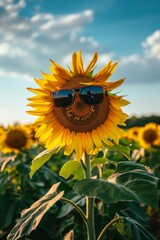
x=32, y=128
x=16, y=138
x=149, y=135
x=133, y=133
x=76, y=108
x=1, y=133
x=2, y=136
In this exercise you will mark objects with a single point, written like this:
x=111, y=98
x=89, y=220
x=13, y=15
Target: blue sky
x=34, y=31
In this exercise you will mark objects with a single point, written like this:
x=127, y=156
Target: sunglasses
x=90, y=95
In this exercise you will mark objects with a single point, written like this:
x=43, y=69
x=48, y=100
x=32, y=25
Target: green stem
x=79, y=210
x=107, y=226
x=89, y=203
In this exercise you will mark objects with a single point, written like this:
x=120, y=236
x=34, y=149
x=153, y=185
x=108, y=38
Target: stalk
x=89, y=203
x=115, y=220
x=79, y=210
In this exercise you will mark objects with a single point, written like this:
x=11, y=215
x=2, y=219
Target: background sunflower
x=149, y=135
x=15, y=139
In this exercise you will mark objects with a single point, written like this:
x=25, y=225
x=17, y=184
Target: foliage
x=19, y=191
x=141, y=121
x=125, y=192
x=31, y=217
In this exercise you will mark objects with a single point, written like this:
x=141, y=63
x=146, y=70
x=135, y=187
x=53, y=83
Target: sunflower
x=74, y=121
x=16, y=138
x=149, y=135
x=2, y=135
x=32, y=128
x=133, y=133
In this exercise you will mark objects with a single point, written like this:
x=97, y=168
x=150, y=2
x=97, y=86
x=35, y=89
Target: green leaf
x=129, y=166
x=135, y=185
x=107, y=173
x=43, y=157
x=131, y=229
x=132, y=166
x=72, y=168
x=31, y=217
x=10, y=214
x=67, y=208
x=124, y=142
x=124, y=150
x=97, y=161
x=90, y=74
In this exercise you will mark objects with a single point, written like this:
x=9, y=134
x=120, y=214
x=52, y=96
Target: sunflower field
x=78, y=172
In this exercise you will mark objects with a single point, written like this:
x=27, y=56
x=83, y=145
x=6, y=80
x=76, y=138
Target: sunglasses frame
x=79, y=90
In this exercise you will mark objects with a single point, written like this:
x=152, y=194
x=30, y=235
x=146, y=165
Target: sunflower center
x=82, y=117
x=150, y=136
x=16, y=139
x=79, y=107
x=135, y=133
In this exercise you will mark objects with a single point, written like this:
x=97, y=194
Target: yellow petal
x=118, y=100
x=45, y=136
x=91, y=64
x=65, y=72
x=55, y=137
x=39, y=107
x=59, y=79
x=96, y=139
x=87, y=142
x=66, y=137
x=69, y=148
x=123, y=102
x=80, y=63
x=41, y=82
x=48, y=76
x=102, y=71
x=44, y=110
x=112, y=126
x=103, y=136
x=78, y=146
x=40, y=130
x=113, y=85
x=104, y=74
x=38, y=91
x=74, y=64
x=109, y=130
x=39, y=120
x=39, y=103
x=121, y=116
x=53, y=86
x=39, y=98
x=35, y=113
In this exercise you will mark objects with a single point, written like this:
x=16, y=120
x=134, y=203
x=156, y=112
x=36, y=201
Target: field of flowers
x=77, y=172
x=18, y=191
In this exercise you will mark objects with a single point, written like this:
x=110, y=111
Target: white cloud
x=88, y=40
x=137, y=68
x=27, y=43
x=152, y=45
x=143, y=67
x=4, y=3
x=4, y=48
x=10, y=6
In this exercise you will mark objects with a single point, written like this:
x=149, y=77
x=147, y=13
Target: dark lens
x=92, y=94
x=63, y=98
